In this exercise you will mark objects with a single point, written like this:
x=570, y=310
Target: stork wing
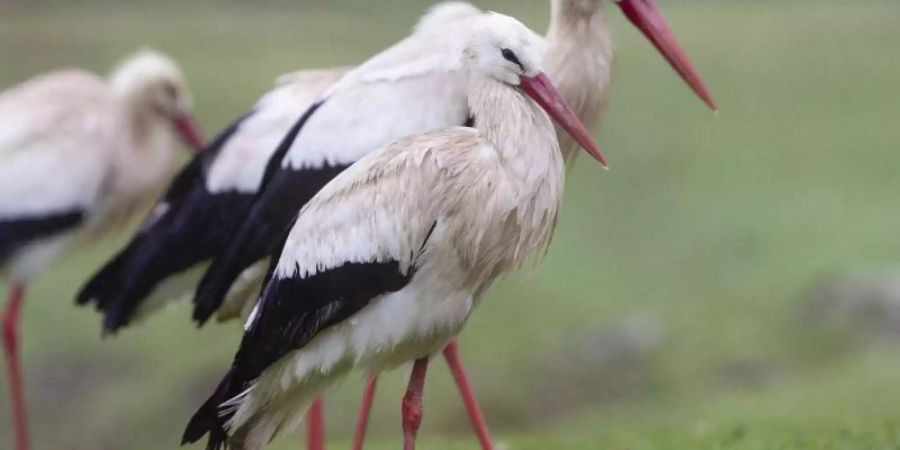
x=56, y=133
x=202, y=207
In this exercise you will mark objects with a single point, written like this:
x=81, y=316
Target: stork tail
x=209, y=419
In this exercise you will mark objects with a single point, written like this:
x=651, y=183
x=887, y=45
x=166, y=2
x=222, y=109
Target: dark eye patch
x=511, y=57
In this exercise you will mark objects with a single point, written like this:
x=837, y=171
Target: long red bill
x=646, y=16
x=541, y=89
x=190, y=132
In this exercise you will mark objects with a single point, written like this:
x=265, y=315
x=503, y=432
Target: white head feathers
x=152, y=79
x=503, y=48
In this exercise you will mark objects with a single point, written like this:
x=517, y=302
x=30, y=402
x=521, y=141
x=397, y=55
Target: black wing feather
x=292, y=312
x=19, y=232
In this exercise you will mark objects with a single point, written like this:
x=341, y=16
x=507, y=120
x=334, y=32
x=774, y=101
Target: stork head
x=504, y=49
x=152, y=81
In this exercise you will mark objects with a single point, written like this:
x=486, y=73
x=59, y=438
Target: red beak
x=542, y=91
x=190, y=132
x=646, y=16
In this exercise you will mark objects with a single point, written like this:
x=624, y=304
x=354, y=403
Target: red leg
x=412, y=404
x=451, y=354
x=363, y=423
x=11, y=348
x=316, y=424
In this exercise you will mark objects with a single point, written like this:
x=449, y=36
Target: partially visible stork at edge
x=79, y=156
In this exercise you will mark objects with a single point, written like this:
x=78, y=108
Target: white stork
x=158, y=264
x=80, y=155
x=385, y=264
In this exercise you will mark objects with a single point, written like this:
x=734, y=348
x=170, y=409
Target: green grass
x=714, y=225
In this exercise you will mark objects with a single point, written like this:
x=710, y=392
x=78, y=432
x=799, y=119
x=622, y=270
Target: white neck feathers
x=579, y=59
x=519, y=130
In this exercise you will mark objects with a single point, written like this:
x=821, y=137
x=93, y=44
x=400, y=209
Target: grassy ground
x=710, y=228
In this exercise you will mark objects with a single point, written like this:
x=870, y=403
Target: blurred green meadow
x=673, y=310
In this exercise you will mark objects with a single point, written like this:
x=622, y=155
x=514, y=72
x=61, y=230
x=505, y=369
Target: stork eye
x=511, y=57
x=170, y=90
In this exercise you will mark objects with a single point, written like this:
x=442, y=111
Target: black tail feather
x=122, y=285
x=217, y=281
x=96, y=287
x=109, y=293
x=209, y=419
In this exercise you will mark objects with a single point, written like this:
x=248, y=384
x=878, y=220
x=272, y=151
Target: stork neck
x=582, y=18
x=519, y=130
x=532, y=168
x=581, y=34
x=580, y=29
x=146, y=161
x=579, y=58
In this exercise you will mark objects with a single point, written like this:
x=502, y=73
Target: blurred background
x=730, y=284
